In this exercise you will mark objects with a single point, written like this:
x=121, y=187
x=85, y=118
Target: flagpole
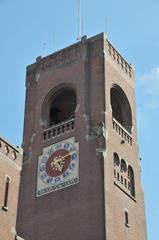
x=79, y=20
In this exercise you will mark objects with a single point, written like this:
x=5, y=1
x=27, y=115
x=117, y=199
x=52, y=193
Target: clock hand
x=67, y=155
x=58, y=163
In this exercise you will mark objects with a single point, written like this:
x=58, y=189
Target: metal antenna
x=79, y=20
x=54, y=41
x=106, y=26
x=44, y=48
x=82, y=28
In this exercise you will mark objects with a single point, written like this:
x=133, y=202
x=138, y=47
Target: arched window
x=132, y=181
x=121, y=108
x=59, y=106
x=123, y=165
x=62, y=107
x=116, y=159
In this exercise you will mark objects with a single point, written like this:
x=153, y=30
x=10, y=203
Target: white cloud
x=148, y=85
x=150, y=81
x=148, y=98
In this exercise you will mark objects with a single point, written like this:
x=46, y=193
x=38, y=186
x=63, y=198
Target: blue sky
x=132, y=26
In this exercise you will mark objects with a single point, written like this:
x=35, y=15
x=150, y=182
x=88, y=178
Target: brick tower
x=81, y=173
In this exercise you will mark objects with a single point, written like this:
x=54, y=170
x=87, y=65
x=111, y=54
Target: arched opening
x=132, y=181
x=121, y=108
x=116, y=160
x=62, y=107
x=123, y=165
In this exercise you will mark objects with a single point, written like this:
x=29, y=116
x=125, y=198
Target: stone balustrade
x=127, y=68
x=118, y=128
x=59, y=129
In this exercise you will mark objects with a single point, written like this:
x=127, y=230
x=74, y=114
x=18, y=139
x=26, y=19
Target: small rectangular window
x=122, y=179
x=125, y=182
x=126, y=219
x=5, y=206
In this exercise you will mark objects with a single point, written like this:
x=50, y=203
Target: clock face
x=59, y=165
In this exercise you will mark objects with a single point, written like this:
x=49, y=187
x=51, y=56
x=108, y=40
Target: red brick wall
x=10, y=167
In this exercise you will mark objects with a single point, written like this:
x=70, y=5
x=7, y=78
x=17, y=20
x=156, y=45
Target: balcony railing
x=59, y=129
x=118, y=128
x=127, y=68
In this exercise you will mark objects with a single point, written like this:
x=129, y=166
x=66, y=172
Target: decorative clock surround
x=58, y=167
